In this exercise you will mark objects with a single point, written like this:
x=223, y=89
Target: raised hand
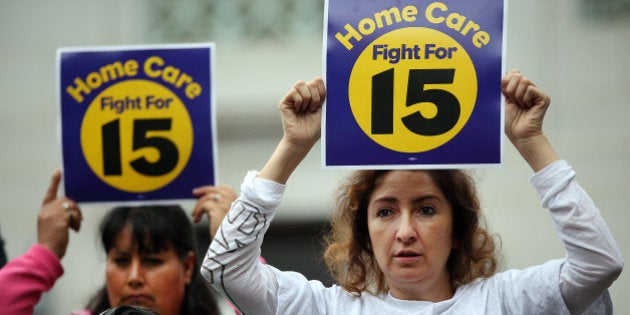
x=301, y=112
x=57, y=214
x=525, y=106
x=215, y=202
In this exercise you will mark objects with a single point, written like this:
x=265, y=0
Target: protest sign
x=413, y=84
x=137, y=123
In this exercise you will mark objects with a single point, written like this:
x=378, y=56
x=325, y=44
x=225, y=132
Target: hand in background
x=57, y=214
x=215, y=202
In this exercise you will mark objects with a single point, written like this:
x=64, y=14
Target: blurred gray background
x=577, y=51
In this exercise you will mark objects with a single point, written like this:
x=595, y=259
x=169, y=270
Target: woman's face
x=156, y=281
x=410, y=223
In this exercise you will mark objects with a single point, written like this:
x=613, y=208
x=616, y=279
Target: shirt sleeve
x=25, y=278
x=593, y=260
x=232, y=263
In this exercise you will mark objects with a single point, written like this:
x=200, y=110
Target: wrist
x=284, y=160
x=536, y=150
x=296, y=147
x=58, y=251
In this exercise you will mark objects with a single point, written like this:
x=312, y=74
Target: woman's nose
x=406, y=230
x=135, y=278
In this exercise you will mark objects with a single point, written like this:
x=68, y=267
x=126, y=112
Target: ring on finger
x=216, y=197
x=66, y=206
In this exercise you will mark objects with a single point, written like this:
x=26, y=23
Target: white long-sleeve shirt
x=577, y=282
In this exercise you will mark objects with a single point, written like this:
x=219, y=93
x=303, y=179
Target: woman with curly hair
x=349, y=253
x=410, y=241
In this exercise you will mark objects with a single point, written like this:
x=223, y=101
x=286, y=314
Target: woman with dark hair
x=151, y=262
x=410, y=241
x=150, y=250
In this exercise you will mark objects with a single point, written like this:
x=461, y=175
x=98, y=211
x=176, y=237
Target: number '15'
x=112, y=162
x=448, y=108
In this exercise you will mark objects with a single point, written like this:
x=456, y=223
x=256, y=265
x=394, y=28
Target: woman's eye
x=121, y=261
x=427, y=210
x=384, y=213
x=152, y=261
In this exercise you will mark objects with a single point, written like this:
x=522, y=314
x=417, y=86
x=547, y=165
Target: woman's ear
x=189, y=266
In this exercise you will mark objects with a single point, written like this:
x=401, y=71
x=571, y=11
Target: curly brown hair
x=348, y=253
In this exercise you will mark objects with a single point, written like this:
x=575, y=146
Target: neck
x=435, y=291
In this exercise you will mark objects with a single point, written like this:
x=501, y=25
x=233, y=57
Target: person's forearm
x=26, y=278
x=284, y=160
x=232, y=263
x=537, y=151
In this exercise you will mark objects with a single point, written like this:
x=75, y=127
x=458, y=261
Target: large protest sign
x=137, y=123
x=413, y=84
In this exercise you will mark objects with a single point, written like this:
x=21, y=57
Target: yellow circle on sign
x=412, y=89
x=137, y=136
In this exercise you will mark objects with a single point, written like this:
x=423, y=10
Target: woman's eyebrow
x=427, y=197
x=385, y=199
x=119, y=251
x=419, y=199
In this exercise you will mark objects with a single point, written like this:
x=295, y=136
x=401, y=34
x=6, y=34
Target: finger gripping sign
x=137, y=122
x=413, y=84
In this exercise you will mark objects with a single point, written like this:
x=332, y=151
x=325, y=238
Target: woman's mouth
x=138, y=300
x=407, y=257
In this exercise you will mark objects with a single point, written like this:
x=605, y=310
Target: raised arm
x=56, y=216
x=28, y=276
x=232, y=264
x=301, y=112
x=525, y=108
x=593, y=260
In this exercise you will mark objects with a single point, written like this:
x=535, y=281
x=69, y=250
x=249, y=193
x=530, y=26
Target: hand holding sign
x=526, y=106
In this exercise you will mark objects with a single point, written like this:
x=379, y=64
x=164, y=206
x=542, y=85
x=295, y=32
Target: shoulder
x=297, y=294
x=533, y=290
x=547, y=272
